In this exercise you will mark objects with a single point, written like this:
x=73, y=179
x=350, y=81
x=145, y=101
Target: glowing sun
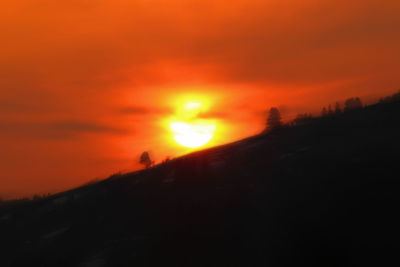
x=189, y=130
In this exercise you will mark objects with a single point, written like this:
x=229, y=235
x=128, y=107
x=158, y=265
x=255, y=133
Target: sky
x=86, y=86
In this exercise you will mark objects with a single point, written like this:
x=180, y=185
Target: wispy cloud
x=56, y=129
x=139, y=110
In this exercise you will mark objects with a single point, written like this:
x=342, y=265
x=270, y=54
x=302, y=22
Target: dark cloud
x=137, y=110
x=76, y=126
x=134, y=110
x=14, y=107
x=56, y=129
x=259, y=42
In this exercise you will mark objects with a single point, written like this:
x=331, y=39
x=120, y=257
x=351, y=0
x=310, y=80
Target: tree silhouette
x=166, y=159
x=146, y=160
x=274, y=119
x=352, y=103
x=337, y=108
x=330, y=111
x=324, y=112
x=302, y=118
x=389, y=99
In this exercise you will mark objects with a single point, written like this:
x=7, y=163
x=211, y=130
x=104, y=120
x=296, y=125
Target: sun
x=188, y=129
x=193, y=134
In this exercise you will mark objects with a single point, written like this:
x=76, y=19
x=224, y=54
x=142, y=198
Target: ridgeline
x=324, y=193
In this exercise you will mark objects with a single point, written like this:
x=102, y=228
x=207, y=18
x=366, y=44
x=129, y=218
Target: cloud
x=139, y=110
x=134, y=110
x=76, y=126
x=78, y=68
x=56, y=129
x=242, y=41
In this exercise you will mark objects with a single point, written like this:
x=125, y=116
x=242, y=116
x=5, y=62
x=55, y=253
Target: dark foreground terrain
x=320, y=194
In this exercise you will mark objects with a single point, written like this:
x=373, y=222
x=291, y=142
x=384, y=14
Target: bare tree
x=274, y=119
x=146, y=160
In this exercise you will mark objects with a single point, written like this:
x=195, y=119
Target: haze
x=85, y=86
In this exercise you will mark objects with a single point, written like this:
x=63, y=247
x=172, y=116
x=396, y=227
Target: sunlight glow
x=190, y=131
x=194, y=134
x=192, y=106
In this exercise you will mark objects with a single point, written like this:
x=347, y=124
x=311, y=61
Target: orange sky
x=85, y=85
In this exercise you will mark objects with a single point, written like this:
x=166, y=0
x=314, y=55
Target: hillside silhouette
x=321, y=193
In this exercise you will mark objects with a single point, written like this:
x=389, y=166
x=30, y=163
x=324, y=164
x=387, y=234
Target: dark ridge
x=320, y=194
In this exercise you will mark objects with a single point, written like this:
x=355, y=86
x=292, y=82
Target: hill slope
x=321, y=194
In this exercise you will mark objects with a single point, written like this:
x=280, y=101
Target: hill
x=320, y=194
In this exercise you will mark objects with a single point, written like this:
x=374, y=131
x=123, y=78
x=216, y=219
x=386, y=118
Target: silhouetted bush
x=113, y=176
x=274, y=119
x=390, y=99
x=352, y=103
x=36, y=197
x=330, y=111
x=40, y=196
x=324, y=112
x=166, y=160
x=146, y=160
x=94, y=181
x=302, y=118
x=337, y=108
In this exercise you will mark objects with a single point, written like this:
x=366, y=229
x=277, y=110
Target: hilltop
x=320, y=194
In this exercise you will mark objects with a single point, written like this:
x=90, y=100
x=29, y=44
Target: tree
x=302, y=118
x=396, y=97
x=337, y=108
x=389, y=99
x=166, y=159
x=274, y=119
x=146, y=160
x=352, y=103
x=324, y=112
x=330, y=111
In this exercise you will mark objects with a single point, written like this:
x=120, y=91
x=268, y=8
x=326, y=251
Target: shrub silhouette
x=146, y=160
x=324, y=112
x=352, y=103
x=337, y=108
x=274, y=119
x=166, y=159
x=40, y=196
x=302, y=118
x=330, y=111
x=390, y=99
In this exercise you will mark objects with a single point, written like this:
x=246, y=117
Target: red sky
x=86, y=85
